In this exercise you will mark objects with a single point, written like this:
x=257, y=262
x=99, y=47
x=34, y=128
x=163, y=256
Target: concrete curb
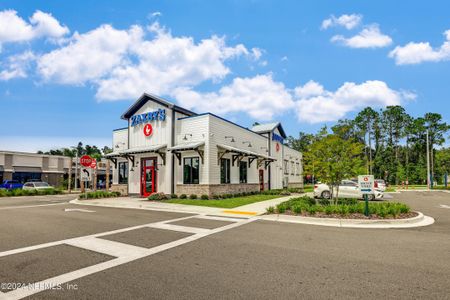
x=418, y=221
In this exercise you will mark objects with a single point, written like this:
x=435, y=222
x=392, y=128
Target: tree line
x=392, y=145
x=81, y=150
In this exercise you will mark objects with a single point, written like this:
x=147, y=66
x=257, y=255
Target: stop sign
x=86, y=161
x=93, y=164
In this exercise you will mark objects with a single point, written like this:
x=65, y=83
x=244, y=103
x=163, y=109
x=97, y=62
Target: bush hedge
x=99, y=194
x=308, y=206
x=20, y=192
x=157, y=196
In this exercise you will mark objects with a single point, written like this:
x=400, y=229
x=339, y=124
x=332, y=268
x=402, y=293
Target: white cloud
x=122, y=64
x=415, y=53
x=89, y=56
x=15, y=29
x=167, y=62
x=347, y=21
x=17, y=66
x=260, y=97
x=369, y=37
x=45, y=25
x=324, y=106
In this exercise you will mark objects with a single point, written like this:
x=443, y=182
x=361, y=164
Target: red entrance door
x=148, y=177
x=261, y=180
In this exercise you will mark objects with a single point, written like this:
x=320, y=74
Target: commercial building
x=166, y=148
x=54, y=169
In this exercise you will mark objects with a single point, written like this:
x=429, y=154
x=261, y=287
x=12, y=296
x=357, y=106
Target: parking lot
x=96, y=252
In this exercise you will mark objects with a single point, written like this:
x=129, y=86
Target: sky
x=69, y=69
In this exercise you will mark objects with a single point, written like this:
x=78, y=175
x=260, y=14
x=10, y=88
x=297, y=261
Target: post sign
x=93, y=164
x=86, y=174
x=366, y=184
x=86, y=161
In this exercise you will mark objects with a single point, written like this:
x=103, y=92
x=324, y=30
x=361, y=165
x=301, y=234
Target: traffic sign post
x=366, y=186
x=86, y=160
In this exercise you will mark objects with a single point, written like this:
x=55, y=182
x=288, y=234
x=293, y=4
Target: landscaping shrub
x=173, y=196
x=193, y=196
x=183, y=196
x=307, y=205
x=270, y=209
x=204, y=197
x=285, y=193
x=99, y=194
x=157, y=197
x=214, y=196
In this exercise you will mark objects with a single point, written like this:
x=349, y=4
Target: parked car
x=380, y=184
x=347, y=189
x=36, y=185
x=11, y=185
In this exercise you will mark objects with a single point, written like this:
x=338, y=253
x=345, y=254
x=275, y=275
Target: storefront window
x=292, y=168
x=191, y=170
x=1, y=177
x=243, y=172
x=224, y=170
x=123, y=172
x=23, y=177
x=298, y=169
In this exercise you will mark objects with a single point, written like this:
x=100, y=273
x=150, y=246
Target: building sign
x=158, y=115
x=277, y=138
x=148, y=129
x=277, y=147
x=366, y=184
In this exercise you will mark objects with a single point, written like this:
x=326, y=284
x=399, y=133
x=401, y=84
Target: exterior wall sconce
x=230, y=137
x=247, y=142
x=265, y=148
x=185, y=136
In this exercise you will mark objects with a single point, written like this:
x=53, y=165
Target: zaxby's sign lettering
x=159, y=115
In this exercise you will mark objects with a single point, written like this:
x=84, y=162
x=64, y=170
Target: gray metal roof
x=269, y=127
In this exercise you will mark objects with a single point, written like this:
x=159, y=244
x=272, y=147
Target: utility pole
x=428, y=163
x=76, y=167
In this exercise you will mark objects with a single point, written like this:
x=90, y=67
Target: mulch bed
x=356, y=216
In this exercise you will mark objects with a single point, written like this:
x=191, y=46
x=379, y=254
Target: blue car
x=11, y=185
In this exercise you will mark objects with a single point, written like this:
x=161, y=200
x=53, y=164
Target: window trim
x=241, y=180
x=191, y=158
x=126, y=173
x=228, y=171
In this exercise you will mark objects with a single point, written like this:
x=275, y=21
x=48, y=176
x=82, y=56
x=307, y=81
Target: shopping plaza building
x=168, y=149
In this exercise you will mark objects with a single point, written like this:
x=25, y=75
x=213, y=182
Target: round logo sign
x=148, y=130
x=86, y=161
x=93, y=164
x=277, y=147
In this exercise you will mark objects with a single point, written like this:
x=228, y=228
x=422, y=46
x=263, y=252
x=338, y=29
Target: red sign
x=277, y=147
x=86, y=161
x=148, y=130
x=93, y=164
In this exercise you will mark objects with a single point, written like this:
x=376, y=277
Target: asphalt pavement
x=261, y=259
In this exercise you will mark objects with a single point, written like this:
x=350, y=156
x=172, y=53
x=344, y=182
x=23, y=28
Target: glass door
x=148, y=178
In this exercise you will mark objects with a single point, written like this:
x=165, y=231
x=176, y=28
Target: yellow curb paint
x=251, y=213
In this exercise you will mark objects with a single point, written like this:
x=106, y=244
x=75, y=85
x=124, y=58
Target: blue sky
x=69, y=69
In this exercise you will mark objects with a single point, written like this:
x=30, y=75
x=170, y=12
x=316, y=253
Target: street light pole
x=76, y=168
x=428, y=163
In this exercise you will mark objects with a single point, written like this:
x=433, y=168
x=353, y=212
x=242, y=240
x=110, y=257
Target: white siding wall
x=294, y=157
x=218, y=130
x=120, y=139
x=2, y=159
x=161, y=129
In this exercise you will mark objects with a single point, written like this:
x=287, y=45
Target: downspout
x=172, y=177
x=269, y=146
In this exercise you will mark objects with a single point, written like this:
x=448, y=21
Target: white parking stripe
x=178, y=228
x=111, y=248
x=29, y=206
x=219, y=218
x=61, y=279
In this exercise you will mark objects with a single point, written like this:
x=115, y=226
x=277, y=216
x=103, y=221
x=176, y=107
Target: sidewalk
x=253, y=209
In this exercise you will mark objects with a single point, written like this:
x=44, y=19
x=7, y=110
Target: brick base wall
x=122, y=188
x=216, y=189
